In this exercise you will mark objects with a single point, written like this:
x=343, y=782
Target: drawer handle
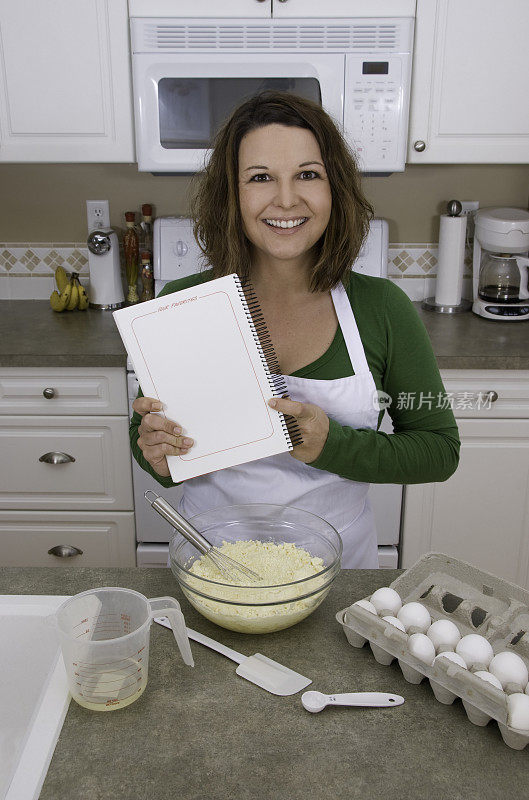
x=56, y=458
x=65, y=551
x=490, y=396
x=49, y=393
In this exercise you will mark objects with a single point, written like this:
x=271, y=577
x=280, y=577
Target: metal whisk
x=227, y=566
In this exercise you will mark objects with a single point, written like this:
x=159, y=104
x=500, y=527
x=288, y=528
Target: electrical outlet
x=97, y=214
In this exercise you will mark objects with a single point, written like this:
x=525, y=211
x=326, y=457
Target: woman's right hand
x=158, y=437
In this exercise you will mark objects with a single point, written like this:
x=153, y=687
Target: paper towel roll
x=451, y=260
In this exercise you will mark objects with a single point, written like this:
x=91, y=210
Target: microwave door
x=180, y=102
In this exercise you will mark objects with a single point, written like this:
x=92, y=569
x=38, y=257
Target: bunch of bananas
x=71, y=294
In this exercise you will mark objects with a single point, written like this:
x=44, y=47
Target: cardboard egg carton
x=477, y=602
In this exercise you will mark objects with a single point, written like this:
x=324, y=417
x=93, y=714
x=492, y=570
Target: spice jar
x=147, y=277
x=131, y=249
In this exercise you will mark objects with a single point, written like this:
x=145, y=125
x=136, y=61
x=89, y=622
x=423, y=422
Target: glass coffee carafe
x=503, y=278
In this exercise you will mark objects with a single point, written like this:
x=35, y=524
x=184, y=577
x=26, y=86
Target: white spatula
x=258, y=669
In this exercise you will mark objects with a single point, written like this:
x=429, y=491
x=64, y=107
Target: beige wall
x=46, y=202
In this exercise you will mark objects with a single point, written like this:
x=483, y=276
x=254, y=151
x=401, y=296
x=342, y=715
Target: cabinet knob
x=57, y=458
x=492, y=396
x=419, y=145
x=49, y=393
x=65, y=551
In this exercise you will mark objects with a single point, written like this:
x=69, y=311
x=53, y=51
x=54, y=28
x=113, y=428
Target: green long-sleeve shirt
x=425, y=444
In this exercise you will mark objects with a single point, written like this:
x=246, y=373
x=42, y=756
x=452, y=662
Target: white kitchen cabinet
x=481, y=514
x=87, y=539
x=469, y=83
x=65, y=83
x=201, y=8
x=247, y=9
x=343, y=8
x=65, y=473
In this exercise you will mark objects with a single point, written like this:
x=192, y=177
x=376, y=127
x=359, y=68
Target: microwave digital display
x=191, y=110
x=375, y=68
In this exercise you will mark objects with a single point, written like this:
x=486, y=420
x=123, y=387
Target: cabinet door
x=65, y=88
x=81, y=539
x=63, y=391
x=469, y=82
x=86, y=463
x=481, y=514
x=343, y=8
x=201, y=8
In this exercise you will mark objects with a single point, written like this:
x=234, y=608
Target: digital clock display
x=375, y=67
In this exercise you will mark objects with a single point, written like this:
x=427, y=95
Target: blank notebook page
x=197, y=352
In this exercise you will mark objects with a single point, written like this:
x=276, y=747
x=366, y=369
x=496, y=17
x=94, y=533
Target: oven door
x=181, y=100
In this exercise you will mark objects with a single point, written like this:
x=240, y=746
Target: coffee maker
x=501, y=264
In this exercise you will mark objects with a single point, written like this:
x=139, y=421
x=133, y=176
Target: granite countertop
x=206, y=733
x=32, y=335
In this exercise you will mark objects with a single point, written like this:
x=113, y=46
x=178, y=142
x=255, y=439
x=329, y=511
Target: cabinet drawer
x=469, y=391
x=95, y=474
x=106, y=540
x=63, y=391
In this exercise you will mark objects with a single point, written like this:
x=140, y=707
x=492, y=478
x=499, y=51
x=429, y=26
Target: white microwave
x=189, y=74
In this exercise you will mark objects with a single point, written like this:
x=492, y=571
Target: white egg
x=386, y=601
x=422, y=648
x=476, y=651
x=363, y=604
x=487, y=676
x=414, y=617
x=444, y=635
x=518, y=711
x=396, y=622
x=449, y=656
x=510, y=670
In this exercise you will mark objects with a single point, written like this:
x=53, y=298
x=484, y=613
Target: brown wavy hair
x=215, y=206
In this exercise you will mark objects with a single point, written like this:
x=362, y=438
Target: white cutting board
x=34, y=695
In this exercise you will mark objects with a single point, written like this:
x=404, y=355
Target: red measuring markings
x=91, y=664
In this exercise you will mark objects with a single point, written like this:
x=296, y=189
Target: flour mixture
x=260, y=605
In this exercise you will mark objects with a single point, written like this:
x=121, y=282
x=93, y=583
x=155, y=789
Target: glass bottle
x=146, y=228
x=131, y=249
x=147, y=277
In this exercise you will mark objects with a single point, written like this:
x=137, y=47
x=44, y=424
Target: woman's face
x=284, y=192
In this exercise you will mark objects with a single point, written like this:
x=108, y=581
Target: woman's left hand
x=312, y=422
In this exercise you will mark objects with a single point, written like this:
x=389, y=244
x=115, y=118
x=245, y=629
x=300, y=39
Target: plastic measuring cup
x=104, y=635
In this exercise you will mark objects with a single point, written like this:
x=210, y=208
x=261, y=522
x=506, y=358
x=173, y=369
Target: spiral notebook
x=206, y=354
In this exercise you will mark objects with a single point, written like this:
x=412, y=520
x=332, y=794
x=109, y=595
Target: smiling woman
x=280, y=204
x=251, y=136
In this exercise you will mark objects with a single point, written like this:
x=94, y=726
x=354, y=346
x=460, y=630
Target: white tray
x=34, y=695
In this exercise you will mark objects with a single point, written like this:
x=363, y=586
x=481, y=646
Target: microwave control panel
x=376, y=109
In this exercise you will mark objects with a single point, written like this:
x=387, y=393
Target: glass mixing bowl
x=258, y=609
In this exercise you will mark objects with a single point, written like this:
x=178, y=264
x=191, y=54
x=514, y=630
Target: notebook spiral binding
x=268, y=356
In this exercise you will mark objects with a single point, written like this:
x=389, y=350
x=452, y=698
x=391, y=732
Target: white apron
x=284, y=480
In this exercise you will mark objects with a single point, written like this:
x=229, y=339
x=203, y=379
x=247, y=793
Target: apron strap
x=351, y=335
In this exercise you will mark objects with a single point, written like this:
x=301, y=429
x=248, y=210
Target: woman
x=280, y=203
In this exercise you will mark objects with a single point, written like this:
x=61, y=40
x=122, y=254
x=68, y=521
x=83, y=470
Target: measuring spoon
x=316, y=701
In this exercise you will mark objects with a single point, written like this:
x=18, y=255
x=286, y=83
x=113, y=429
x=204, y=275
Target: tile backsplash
x=27, y=268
